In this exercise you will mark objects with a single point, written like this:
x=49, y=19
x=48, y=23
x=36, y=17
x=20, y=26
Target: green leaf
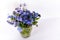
x=36, y=18
x=35, y=22
x=12, y=18
x=22, y=25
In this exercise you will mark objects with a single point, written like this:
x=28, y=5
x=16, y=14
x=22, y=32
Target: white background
x=49, y=24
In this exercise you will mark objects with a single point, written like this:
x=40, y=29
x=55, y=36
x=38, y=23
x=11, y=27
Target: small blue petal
x=27, y=11
x=24, y=4
x=19, y=18
x=35, y=14
x=10, y=16
x=15, y=24
x=29, y=22
x=16, y=8
x=24, y=21
x=10, y=22
x=25, y=17
x=20, y=11
x=15, y=16
x=19, y=29
x=23, y=14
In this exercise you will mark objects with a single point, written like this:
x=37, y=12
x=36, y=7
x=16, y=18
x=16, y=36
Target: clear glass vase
x=26, y=32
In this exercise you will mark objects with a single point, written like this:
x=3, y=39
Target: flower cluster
x=23, y=18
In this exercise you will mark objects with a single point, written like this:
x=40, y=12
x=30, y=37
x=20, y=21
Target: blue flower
x=16, y=23
x=24, y=4
x=14, y=16
x=10, y=16
x=35, y=15
x=10, y=22
x=27, y=11
x=24, y=13
x=19, y=18
x=24, y=21
x=26, y=17
x=19, y=29
x=31, y=15
x=16, y=8
x=20, y=11
x=28, y=22
x=31, y=19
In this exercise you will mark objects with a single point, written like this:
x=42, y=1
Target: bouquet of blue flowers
x=23, y=19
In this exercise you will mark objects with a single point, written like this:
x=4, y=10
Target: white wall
x=47, y=8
